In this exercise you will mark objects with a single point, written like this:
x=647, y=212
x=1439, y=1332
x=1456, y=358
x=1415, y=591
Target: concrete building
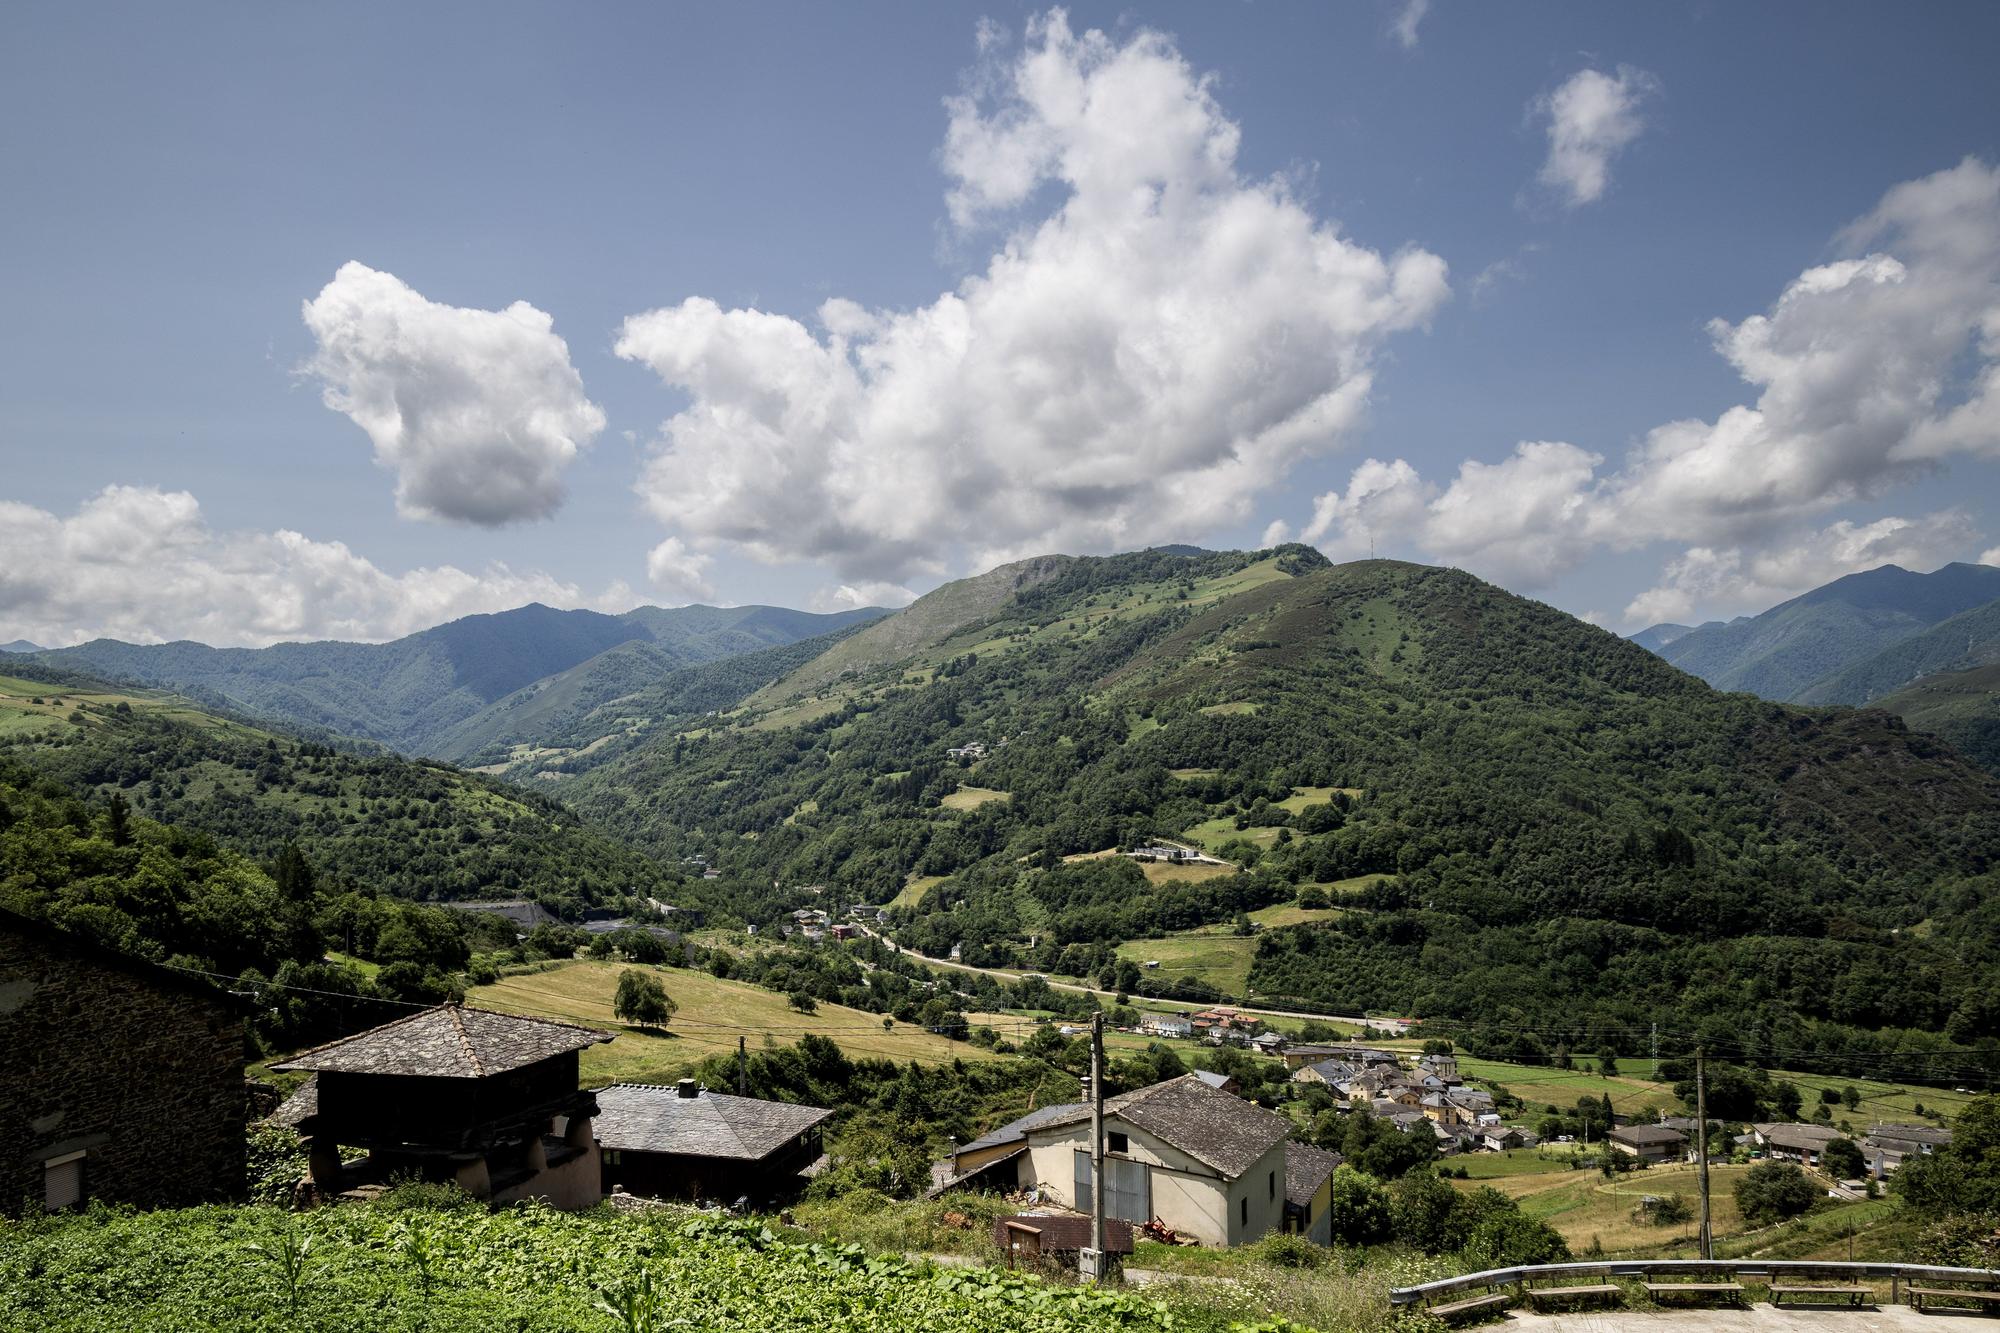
x=1804, y=1144
x=488, y=1100
x=1166, y=1025
x=119, y=1080
x=1309, y=1192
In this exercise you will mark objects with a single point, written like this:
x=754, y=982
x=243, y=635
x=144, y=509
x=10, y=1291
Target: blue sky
x=1427, y=288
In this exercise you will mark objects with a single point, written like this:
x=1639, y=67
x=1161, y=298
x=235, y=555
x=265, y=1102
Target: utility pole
x=742, y=1069
x=1092, y=1264
x=1701, y=1149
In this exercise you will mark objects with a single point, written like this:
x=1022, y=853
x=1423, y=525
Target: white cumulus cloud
x=1591, y=118
x=852, y=596
x=1869, y=371
x=1155, y=344
x=1409, y=13
x=680, y=571
x=141, y=564
x=477, y=412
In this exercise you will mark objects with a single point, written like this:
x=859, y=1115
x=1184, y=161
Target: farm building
x=1795, y=1143
x=1887, y=1146
x=685, y=1142
x=488, y=1100
x=122, y=1081
x=1648, y=1143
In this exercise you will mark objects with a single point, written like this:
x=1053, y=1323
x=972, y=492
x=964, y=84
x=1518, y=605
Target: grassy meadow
x=713, y=1013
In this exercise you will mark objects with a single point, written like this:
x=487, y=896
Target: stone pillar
x=323, y=1164
x=578, y=1134
x=475, y=1179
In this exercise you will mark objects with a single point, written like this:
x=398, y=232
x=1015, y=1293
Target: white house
x=1166, y=1025
x=1208, y=1164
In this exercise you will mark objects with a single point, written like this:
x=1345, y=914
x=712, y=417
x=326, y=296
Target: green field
x=1223, y=961
x=713, y=1013
x=971, y=798
x=914, y=889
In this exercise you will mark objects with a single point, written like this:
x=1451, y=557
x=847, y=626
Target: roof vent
x=686, y=1087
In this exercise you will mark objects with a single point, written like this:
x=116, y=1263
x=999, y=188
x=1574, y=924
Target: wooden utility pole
x=1096, y=1260
x=1701, y=1148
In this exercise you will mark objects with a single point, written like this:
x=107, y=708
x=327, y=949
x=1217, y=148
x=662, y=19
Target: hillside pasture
x=1222, y=961
x=971, y=798
x=712, y=1014
x=1589, y=1210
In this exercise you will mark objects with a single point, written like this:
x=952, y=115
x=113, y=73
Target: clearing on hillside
x=971, y=798
x=713, y=1013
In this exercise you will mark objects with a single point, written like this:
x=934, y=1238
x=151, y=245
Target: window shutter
x=62, y=1183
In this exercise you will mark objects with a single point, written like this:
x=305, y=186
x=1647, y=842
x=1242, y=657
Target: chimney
x=686, y=1087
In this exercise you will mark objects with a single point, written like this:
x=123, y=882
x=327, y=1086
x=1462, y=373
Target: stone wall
x=138, y=1068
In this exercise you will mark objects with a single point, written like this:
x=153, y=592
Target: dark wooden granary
x=488, y=1100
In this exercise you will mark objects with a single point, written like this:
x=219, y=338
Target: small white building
x=1166, y=1025
x=1207, y=1163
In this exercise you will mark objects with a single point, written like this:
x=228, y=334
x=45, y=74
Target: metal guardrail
x=1897, y=1274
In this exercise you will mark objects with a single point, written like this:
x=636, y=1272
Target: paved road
x=1756, y=1319
x=1004, y=975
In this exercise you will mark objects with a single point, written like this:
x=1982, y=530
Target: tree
x=1607, y=1062
x=1774, y=1191
x=1843, y=1160
x=803, y=1002
x=1358, y=1212
x=119, y=821
x=1786, y=1098
x=1850, y=1097
x=642, y=999
x=1963, y=1176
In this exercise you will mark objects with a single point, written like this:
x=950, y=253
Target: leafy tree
x=642, y=998
x=1607, y=1061
x=1843, y=1160
x=802, y=1002
x=1358, y=1212
x=1773, y=1191
x=1964, y=1176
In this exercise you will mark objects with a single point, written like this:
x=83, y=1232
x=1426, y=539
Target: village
x=493, y=1104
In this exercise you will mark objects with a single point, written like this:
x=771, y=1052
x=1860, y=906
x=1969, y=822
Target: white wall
x=1187, y=1195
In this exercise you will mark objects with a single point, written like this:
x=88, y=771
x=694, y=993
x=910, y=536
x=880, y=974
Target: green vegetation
x=373, y=823
x=526, y=1268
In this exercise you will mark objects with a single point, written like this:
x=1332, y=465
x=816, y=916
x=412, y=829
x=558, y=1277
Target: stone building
x=486, y=1099
x=685, y=1142
x=119, y=1080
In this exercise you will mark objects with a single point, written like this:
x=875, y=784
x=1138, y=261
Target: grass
x=1291, y=914
x=1223, y=961
x=1212, y=833
x=1591, y=1211
x=971, y=798
x=1239, y=708
x=1166, y=872
x=1540, y=1084
x=1880, y=1102
x=713, y=1013
x=913, y=890
x=1518, y=1162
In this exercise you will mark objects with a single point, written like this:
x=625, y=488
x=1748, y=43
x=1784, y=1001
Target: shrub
x=1774, y=1191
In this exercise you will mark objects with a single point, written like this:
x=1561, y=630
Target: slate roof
x=1210, y=1077
x=1218, y=1129
x=1016, y=1131
x=447, y=1042
x=645, y=1117
x=303, y=1102
x=1306, y=1169
x=1797, y=1138
x=1930, y=1134
x=1638, y=1136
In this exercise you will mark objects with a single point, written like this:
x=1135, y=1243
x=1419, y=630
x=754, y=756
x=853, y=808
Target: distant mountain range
x=1864, y=639
x=20, y=646
x=430, y=693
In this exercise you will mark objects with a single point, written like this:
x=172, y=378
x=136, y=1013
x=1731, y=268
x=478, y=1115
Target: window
x=1243, y=1209
x=1271, y=1184
x=1115, y=1142
x=62, y=1181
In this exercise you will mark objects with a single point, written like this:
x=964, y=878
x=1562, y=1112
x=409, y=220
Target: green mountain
x=1784, y=652
x=1518, y=817
x=373, y=822
x=424, y=691
x=1969, y=639
x=1656, y=637
x=1960, y=707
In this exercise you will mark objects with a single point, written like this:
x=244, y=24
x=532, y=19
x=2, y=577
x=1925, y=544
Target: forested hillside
x=1520, y=817
x=377, y=823
x=413, y=692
